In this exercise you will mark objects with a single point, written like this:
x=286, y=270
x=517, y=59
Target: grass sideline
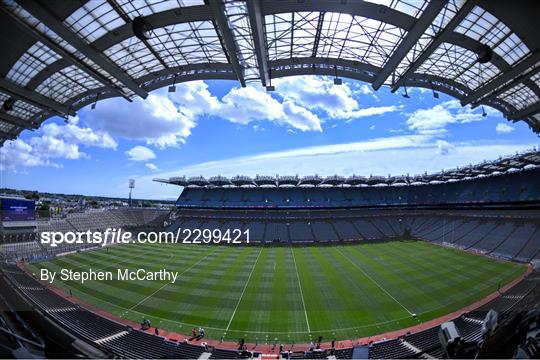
x=278, y=293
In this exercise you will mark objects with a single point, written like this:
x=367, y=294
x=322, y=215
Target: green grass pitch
x=289, y=294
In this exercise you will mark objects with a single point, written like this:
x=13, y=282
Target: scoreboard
x=16, y=212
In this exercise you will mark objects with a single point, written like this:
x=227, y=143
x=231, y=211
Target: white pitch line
x=372, y=280
x=301, y=293
x=169, y=283
x=244, y=290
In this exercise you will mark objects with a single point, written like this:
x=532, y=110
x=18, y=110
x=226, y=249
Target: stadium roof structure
x=59, y=56
x=519, y=162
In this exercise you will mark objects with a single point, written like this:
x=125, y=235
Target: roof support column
x=228, y=38
x=439, y=39
x=256, y=21
x=428, y=16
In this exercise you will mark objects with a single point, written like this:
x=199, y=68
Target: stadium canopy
x=519, y=162
x=59, y=56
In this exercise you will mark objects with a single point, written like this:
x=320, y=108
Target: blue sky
x=307, y=126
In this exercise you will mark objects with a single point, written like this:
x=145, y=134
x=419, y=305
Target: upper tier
x=519, y=187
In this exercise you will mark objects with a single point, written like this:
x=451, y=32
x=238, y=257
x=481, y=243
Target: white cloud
x=151, y=166
x=434, y=120
x=365, y=89
x=444, y=147
x=372, y=127
x=320, y=93
x=161, y=120
x=372, y=111
x=56, y=142
x=167, y=119
x=140, y=153
x=253, y=103
x=503, y=128
x=395, y=142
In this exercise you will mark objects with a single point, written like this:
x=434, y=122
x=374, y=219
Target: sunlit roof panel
x=134, y=57
x=21, y=109
x=443, y=18
x=520, y=96
x=24, y=110
x=342, y=36
x=484, y=27
x=134, y=8
x=188, y=43
x=477, y=75
x=448, y=61
x=93, y=20
x=66, y=83
x=35, y=59
x=5, y=126
x=281, y=29
x=536, y=78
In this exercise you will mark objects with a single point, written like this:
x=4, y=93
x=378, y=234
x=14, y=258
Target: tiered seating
x=105, y=333
x=226, y=354
x=515, y=241
x=315, y=354
x=391, y=349
x=346, y=230
x=487, y=190
x=470, y=330
x=506, y=234
x=531, y=249
x=140, y=345
x=343, y=353
x=87, y=324
x=324, y=231
x=26, y=244
x=426, y=340
x=300, y=231
x=367, y=230
x=26, y=250
x=276, y=231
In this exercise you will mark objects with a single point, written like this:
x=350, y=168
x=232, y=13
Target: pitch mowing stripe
x=169, y=283
x=375, y=282
x=393, y=265
x=244, y=290
x=301, y=293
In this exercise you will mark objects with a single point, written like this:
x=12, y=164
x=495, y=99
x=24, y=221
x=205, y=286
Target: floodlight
x=337, y=80
x=95, y=102
x=8, y=104
x=405, y=94
x=485, y=54
x=141, y=28
x=172, y=88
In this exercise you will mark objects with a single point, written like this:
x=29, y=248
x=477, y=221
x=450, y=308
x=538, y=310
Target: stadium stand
x=510, y=187
x=26, y=244
x=106, y=334
x=505, y=234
